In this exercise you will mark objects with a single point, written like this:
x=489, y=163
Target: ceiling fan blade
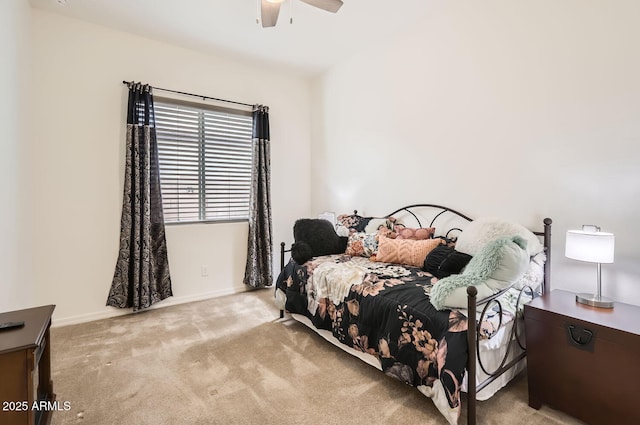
x=328, y=5
x=269, y=13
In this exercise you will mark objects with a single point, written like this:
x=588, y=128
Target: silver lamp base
x=594, y=300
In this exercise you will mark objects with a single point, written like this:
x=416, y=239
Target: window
x=205, y=159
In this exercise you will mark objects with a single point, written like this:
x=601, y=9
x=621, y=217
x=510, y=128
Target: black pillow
x=314, y=237
x=435, y=258
x=444, y=261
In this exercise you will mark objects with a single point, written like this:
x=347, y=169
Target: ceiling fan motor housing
x=270, y=9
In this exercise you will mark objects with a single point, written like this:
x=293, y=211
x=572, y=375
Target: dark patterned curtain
x=258, y=272
x=142, y=276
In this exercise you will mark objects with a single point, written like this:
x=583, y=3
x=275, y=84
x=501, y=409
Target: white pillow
x=534, y=276
x=486, y=229
x=342, y=230
x=498, y=265
x=374, y=224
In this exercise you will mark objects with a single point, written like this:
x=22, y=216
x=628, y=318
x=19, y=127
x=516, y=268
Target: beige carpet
x=229, y=360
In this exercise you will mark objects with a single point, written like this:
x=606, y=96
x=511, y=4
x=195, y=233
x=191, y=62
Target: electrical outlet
x=204, y=271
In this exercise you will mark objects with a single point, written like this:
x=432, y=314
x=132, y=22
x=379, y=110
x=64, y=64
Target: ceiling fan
x=270, y=9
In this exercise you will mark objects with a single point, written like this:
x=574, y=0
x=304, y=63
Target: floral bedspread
x=386, y=312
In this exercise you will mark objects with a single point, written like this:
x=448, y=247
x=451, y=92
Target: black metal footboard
x=473, y=335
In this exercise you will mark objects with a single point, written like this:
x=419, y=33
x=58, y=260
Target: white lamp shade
x=593, y=247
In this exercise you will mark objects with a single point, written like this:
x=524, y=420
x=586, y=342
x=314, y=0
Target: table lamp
x=593, y=246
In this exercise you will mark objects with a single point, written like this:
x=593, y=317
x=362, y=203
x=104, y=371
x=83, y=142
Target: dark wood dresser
x=584, y=360
x=26, y=390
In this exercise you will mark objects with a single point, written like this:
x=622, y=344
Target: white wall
x=78, y=114
x=522, y=109
x=525, y=110
x=15, y=278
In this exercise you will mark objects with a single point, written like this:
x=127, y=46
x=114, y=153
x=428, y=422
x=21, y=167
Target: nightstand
x=26, y=390
x=583, y=360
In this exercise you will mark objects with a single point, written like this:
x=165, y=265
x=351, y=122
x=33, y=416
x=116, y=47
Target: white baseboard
x=114, y=312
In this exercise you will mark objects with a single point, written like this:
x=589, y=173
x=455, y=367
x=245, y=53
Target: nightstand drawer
x=582, y=334
x=581, y=367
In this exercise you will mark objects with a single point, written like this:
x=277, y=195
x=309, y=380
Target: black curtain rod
x=194, y=95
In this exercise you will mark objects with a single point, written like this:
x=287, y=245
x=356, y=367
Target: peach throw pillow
x=405, y=251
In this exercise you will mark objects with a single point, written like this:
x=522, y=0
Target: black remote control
x=10, y=325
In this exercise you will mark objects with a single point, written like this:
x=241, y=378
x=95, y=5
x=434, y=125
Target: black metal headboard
x=409, y=209
x=438, y=212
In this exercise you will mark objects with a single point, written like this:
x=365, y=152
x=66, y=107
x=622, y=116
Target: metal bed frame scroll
x=473, y=305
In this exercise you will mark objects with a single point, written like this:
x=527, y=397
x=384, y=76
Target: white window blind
x=205, y=159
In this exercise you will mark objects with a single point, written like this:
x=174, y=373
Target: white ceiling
x=313, y=42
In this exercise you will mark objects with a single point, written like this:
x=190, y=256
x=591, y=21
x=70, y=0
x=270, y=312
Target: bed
x=378, y=298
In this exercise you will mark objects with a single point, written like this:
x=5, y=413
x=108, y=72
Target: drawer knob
x=580, y=336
